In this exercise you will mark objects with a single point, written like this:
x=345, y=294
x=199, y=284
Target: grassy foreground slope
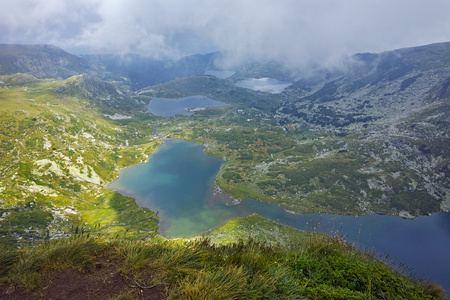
x=312, y=267
x=58, y=153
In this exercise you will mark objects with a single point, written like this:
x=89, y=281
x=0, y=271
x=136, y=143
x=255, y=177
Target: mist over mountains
x=296, y=33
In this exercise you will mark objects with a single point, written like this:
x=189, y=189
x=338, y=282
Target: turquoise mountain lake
x=178, y=182
x=170, y=107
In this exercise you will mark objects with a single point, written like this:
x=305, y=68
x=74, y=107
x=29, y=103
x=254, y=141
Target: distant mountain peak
x=41, y=61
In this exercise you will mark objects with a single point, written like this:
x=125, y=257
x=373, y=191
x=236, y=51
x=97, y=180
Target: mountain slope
x=102, y=94
x=41, y=61
x=139, y=71
x=58, y=152
x=397, y=104
x=384, y=87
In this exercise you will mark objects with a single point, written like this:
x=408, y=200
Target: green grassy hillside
x=58, y=153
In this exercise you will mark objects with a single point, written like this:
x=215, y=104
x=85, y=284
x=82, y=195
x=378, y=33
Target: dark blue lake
x=169, y=107
x=178, y=182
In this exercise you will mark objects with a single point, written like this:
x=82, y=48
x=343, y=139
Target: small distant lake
x=178, y=182
x=170, y=107
x=268, y=85
x=220, y=74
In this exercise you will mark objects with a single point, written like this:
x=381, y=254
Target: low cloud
x=294, y=32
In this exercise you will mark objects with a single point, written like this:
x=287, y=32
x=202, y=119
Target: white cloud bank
x=295, y=32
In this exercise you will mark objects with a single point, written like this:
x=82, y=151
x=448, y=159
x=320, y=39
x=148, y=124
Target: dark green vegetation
x=307, y=267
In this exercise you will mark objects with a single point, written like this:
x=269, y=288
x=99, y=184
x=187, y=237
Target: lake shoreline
x=420, y=243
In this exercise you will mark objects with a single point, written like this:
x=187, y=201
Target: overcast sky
x=296, y=32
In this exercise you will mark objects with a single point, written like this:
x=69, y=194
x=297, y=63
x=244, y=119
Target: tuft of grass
x=7, y=260
x=232, y=282
x=76, y=252
x=434, y=290
x=138, y=254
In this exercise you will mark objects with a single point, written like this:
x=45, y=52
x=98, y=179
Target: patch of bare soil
x=105, y=282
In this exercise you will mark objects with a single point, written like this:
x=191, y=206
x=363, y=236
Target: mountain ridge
x=41, y=61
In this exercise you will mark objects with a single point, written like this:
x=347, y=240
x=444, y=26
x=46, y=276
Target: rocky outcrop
x=442, y=90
